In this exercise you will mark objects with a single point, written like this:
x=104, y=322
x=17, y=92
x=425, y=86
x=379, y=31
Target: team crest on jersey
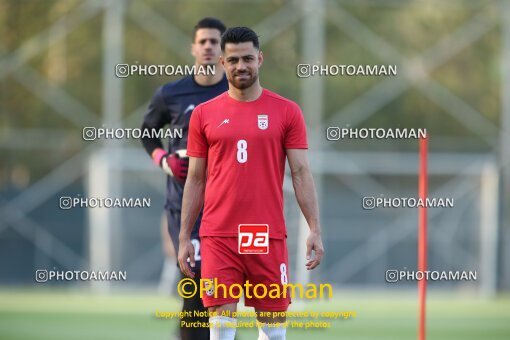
x=209, y=286
x=263, y=122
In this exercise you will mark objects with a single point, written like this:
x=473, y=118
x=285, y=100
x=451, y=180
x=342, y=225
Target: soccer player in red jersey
x=237, y=144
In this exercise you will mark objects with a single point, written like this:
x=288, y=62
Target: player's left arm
x=306, y=196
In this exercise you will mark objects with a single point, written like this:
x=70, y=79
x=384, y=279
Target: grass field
x=56, y=314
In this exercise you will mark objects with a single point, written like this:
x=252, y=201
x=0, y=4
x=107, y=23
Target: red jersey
x=244, y=143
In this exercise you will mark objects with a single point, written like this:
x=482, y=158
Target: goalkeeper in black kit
x=172, y=105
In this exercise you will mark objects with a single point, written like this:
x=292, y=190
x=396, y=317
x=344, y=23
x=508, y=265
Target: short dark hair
x=238, y=35
x=209, y=22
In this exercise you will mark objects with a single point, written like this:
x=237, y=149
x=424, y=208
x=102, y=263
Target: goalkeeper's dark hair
x=209, y=22
x=236, y=35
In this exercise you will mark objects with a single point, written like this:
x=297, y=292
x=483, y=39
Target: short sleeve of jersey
x=197, y=142
x=295, y=134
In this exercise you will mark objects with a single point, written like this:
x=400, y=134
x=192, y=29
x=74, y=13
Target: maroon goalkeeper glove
x=173, y=164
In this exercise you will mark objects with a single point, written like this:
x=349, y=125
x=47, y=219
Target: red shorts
x=221, y=261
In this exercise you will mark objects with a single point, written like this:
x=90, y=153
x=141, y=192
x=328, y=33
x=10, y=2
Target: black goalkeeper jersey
x=172, y=105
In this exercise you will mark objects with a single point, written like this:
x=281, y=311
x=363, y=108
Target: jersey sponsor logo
x=263, y=122
x=189, y=109
x=253, y=239
x=226, y=121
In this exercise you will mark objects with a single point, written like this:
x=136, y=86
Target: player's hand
x=186, y=250
x=175, y=166
x=314, y=242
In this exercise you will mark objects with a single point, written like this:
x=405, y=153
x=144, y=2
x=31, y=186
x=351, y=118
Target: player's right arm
x=156, y=117
x=192, y=202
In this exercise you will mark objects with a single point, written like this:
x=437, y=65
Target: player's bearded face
x=206, y=47
x=241, y=62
